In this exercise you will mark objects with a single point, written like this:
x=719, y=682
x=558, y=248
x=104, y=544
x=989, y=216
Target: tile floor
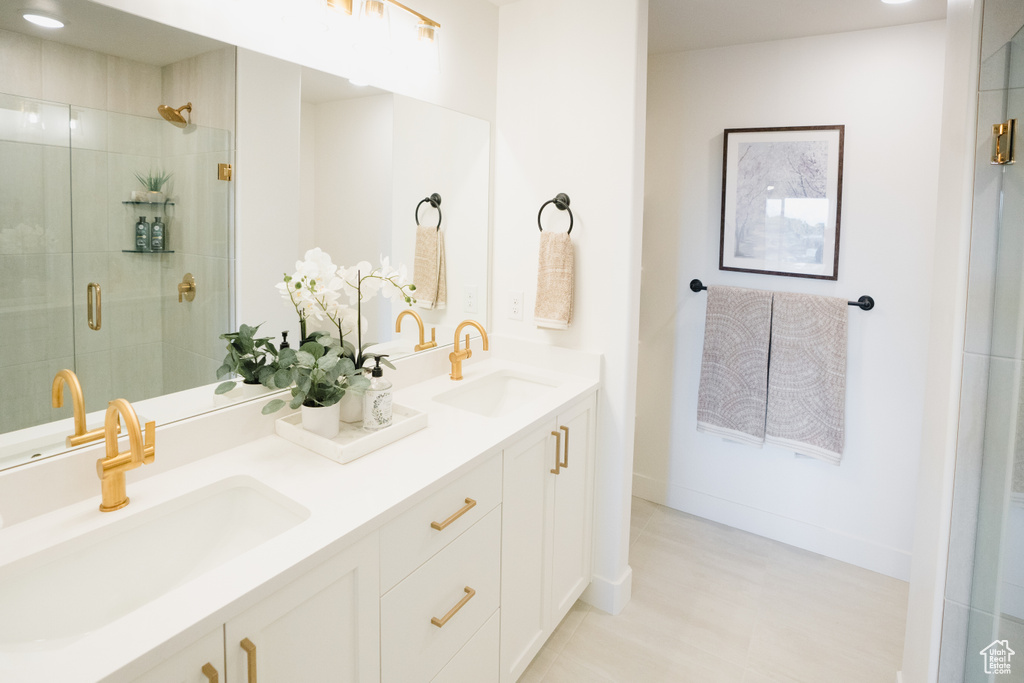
x=712, y=604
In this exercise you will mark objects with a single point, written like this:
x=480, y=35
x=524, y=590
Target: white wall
x=876, y=83
x=570, y=118
x=945, y=352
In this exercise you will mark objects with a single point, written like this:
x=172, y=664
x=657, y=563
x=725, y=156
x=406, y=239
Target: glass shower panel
x=35, y=257
x=149, y=343
x=995, y=634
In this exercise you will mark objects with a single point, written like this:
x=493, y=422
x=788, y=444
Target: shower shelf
x=130, y=203
x=144, y=251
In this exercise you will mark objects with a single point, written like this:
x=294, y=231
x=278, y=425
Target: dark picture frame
x=782, y=197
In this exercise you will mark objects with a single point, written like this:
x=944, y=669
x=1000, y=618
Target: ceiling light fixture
x=39, y=19
x=895, y=2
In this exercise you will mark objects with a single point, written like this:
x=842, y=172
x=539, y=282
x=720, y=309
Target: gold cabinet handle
x=210, y=673
x=250, y=651
x=440, y=526
x=93, y=297
x=451, y=613
x=558, y=452
x=565, y=453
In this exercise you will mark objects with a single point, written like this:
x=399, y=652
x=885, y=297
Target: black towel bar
x=865, y=302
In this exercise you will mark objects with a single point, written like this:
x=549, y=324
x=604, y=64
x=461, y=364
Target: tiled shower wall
x=149, y=344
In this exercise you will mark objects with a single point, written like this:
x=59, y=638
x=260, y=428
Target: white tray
x=353, y=441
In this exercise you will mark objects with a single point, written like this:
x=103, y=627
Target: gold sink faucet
x=457, y=356
x=112, y=467
x=81, y=436
x=423, y=345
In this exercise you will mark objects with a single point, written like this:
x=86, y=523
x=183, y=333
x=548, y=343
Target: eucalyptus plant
x=252, y=358
x=319, y=373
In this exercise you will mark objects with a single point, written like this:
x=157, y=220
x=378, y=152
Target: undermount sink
x=496, y=394
x=75, y=587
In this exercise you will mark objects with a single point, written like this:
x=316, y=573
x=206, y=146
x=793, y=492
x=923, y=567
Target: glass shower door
x=36, y=320
x=995, y=633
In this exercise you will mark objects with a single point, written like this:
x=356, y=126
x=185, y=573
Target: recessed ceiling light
x=895, y=2
x=42, y=20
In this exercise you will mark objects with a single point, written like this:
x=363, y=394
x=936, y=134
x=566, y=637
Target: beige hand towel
x=734, y=369
x=807, y=377
x=556, y=272
x=429, y=268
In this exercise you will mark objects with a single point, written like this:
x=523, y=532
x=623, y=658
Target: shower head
x=174, y=115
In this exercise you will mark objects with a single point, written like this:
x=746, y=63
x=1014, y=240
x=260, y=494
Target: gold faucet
x=423, y=345
x=457, y=356
x=81, y=436
x=112, y=467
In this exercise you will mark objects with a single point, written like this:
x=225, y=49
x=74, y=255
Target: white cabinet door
x=572, y=522
x=324, y=626
x=187, y=665
x=547, y=524
x=525, y=549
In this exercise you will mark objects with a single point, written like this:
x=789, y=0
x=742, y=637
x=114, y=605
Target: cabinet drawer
x=477, y=662
x=412, y=647
x=410, y=540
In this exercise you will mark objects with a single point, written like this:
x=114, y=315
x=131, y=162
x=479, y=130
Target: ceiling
x=95, y=27
x=678, y=25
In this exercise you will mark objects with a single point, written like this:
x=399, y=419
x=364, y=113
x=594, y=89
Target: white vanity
x=449, y=555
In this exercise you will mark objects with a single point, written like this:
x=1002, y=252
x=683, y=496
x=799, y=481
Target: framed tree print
x=782, y=191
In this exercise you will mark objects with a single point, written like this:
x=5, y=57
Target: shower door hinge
x=223, y=171
x=1004, y=141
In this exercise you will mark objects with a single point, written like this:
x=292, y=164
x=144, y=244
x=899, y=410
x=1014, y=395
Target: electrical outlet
x=469, y=299
x=515, y=305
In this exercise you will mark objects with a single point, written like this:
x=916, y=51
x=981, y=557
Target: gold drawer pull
x=451, y=613
x=565, y=453
x=440, y=526
x=558, y=452
x=250, y=651
x=210, y=673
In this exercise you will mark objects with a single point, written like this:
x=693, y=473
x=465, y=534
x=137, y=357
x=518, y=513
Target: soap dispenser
x=377, y=399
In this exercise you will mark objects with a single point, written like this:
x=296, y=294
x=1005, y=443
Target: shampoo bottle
x=142, y=235
x=377, y=400
x=158, y=235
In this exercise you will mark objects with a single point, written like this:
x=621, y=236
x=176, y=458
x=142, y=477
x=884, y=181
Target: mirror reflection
x=83, y=287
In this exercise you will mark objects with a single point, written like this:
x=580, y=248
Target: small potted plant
x=320, y=374
x=250, y=357
x=154, y=184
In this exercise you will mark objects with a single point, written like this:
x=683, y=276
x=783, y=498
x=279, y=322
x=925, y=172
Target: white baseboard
x=610, y=596
x=817, y=539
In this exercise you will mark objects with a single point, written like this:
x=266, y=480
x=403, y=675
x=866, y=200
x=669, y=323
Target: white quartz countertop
x=345, y=502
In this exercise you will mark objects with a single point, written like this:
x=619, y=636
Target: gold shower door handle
x=250, y=652
x=558, y=452
x=94, y=305
x=565, y=453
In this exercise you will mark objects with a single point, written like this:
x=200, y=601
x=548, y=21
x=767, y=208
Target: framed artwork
x=782, y=192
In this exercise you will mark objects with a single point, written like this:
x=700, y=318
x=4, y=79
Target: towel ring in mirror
x=561, y=202
x=435, y=201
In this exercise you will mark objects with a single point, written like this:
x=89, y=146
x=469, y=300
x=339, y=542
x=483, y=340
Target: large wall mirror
x=81, y=289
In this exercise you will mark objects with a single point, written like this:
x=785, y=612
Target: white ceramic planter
x=352, y=407
x=325, y=422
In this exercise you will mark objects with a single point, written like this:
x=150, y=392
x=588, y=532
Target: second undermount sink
x=66, y=591
x=496, y=394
